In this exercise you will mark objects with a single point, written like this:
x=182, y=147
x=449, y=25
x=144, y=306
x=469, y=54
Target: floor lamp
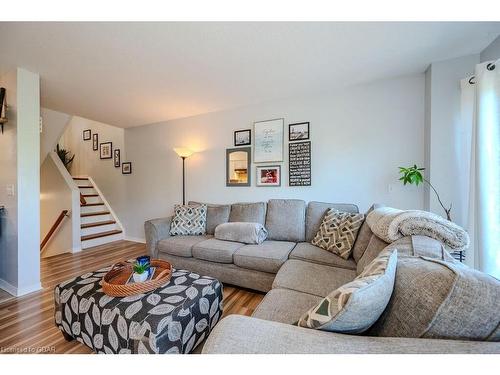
x=183, y=153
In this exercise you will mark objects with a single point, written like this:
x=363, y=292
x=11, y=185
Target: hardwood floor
x=27, y=323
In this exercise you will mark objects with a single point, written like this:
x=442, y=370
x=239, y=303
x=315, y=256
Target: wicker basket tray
x=114, y=282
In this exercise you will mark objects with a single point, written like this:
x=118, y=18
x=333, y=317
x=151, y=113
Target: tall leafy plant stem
x=447, y=210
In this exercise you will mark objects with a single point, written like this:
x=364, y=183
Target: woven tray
x=114, y=282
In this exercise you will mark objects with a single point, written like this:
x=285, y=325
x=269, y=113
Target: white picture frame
x=268, y=141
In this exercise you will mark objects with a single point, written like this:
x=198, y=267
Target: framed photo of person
x=298, y=131
x=116, y=158
x=243, y=137
x=106, y=150
x=268, y=137
x=95, y=141
x=87, y=135
x=127, y=167
x=269, y=175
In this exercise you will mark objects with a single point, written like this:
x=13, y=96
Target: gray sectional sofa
x=297, y=275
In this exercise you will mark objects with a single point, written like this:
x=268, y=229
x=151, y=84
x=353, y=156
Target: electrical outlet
x=390, y=188
x=10, y=190
x=41, y=124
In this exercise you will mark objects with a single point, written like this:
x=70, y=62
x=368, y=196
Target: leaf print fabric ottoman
x=174, y=318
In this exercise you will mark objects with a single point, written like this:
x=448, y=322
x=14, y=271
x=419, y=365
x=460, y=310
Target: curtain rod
x=489, y=66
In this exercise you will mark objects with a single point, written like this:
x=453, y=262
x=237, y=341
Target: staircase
x=98, y=223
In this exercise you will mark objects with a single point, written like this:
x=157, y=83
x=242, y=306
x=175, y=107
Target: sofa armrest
x=156, y=230
x=241, y=334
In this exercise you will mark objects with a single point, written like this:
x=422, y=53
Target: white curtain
x=481, y=119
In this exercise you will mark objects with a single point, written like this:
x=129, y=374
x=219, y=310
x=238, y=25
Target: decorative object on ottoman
x=356, y=306
x=141, y=272
x=249, y=233
x=117, y=282
x=174, y=318
x=189, y=220
x=337, y=233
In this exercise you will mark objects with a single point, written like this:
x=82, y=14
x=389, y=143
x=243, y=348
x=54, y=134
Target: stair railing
x=62, y=215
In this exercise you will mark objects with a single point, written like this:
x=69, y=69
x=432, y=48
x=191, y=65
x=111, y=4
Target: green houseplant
x=65, y=157
x=141, y=272
x=413, y=175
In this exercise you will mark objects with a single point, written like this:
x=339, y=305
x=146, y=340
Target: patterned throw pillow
x=189, y=220
x=338, y=232
x=357, y=305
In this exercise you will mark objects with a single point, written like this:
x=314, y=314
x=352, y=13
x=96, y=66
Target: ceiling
x=130, y=74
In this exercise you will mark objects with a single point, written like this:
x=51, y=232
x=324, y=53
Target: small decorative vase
x=140, y=277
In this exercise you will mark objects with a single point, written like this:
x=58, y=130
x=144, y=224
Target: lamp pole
x=183, y=180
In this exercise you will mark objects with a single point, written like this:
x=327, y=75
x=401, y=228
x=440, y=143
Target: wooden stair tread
x=95, y=213
x=80, y=178
x=90, y=195
x=99, y=235
x=97, y=224
x=86, y=187
x=91, y=204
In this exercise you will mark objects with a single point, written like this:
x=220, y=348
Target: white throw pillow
x=357, y=305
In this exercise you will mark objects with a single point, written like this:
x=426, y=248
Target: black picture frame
x=87, y=135
x=116, y=157
x=299, y=164
x=95, y=142
x=102, y=149
x=247, y=143
x=124, y=170
x=299, y=137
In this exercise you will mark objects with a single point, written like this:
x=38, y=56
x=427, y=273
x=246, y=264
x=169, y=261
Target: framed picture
x=242, y=137
x=298, y=131
x=299, y=163
x=238, y=166
x=269, y=175
x=127, y=168
x=106, y=150
x=95, y=141
x=116, y=158
x=268, y=141
x=87, y=135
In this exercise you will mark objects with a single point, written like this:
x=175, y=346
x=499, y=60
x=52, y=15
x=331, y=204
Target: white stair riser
x=93, y=199
x=102, y=240
x=87, y=191
x=98, y=229
x=89, y=209
x=93, y=219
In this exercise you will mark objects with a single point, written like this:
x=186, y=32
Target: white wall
x=444, y=133
x=87, y=162
x=492, y=52
x=20, y=162
x=54, y=124
x=359, y=137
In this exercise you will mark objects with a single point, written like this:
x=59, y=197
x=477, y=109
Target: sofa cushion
x=311, y=278
x=364, y=235
x=216, y=250
x=374, y=248
x=248, y=212
x=180, y=245
x=316, y=211
x=338, y=231
x=285, y=220
x=310, y=253
x=355, y=306
x=285, y=305
x=437, y=299
x=189, y=220
x=249, y=233
x=269, y=256
x=216, y=214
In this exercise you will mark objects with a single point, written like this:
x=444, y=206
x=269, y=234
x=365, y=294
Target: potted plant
x=65, y=156
x=413, y=175
x=141, y=272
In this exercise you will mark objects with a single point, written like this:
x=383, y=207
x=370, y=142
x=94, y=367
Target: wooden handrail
x=53, y=228
x=82, y=199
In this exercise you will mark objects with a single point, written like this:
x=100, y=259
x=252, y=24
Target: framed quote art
x=268, y=137
x=106, y=150
x=299, y=159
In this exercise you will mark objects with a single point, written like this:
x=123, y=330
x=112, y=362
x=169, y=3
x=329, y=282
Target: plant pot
x=140, y=277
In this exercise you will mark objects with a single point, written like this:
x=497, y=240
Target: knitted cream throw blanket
x=391, y=224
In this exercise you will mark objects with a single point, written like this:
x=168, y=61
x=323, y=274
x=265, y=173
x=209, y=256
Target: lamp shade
x=183, y=152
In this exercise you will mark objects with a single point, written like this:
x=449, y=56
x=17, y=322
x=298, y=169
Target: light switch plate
x=10, y=190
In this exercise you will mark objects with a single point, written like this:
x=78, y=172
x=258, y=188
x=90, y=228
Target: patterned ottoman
x=172, y=319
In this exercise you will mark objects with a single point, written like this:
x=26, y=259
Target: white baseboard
x=135, y=239
x=17, y=292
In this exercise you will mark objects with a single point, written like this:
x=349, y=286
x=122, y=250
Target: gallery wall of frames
x=106, y=151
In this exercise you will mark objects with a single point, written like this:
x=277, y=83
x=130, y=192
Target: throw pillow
x=337, y=232
x=249, y=233
x=356, y=306
x=189, y=220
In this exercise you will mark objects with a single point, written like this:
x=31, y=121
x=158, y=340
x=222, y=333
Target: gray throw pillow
x=356, y=306
x=189, y=220
x=249, y=233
